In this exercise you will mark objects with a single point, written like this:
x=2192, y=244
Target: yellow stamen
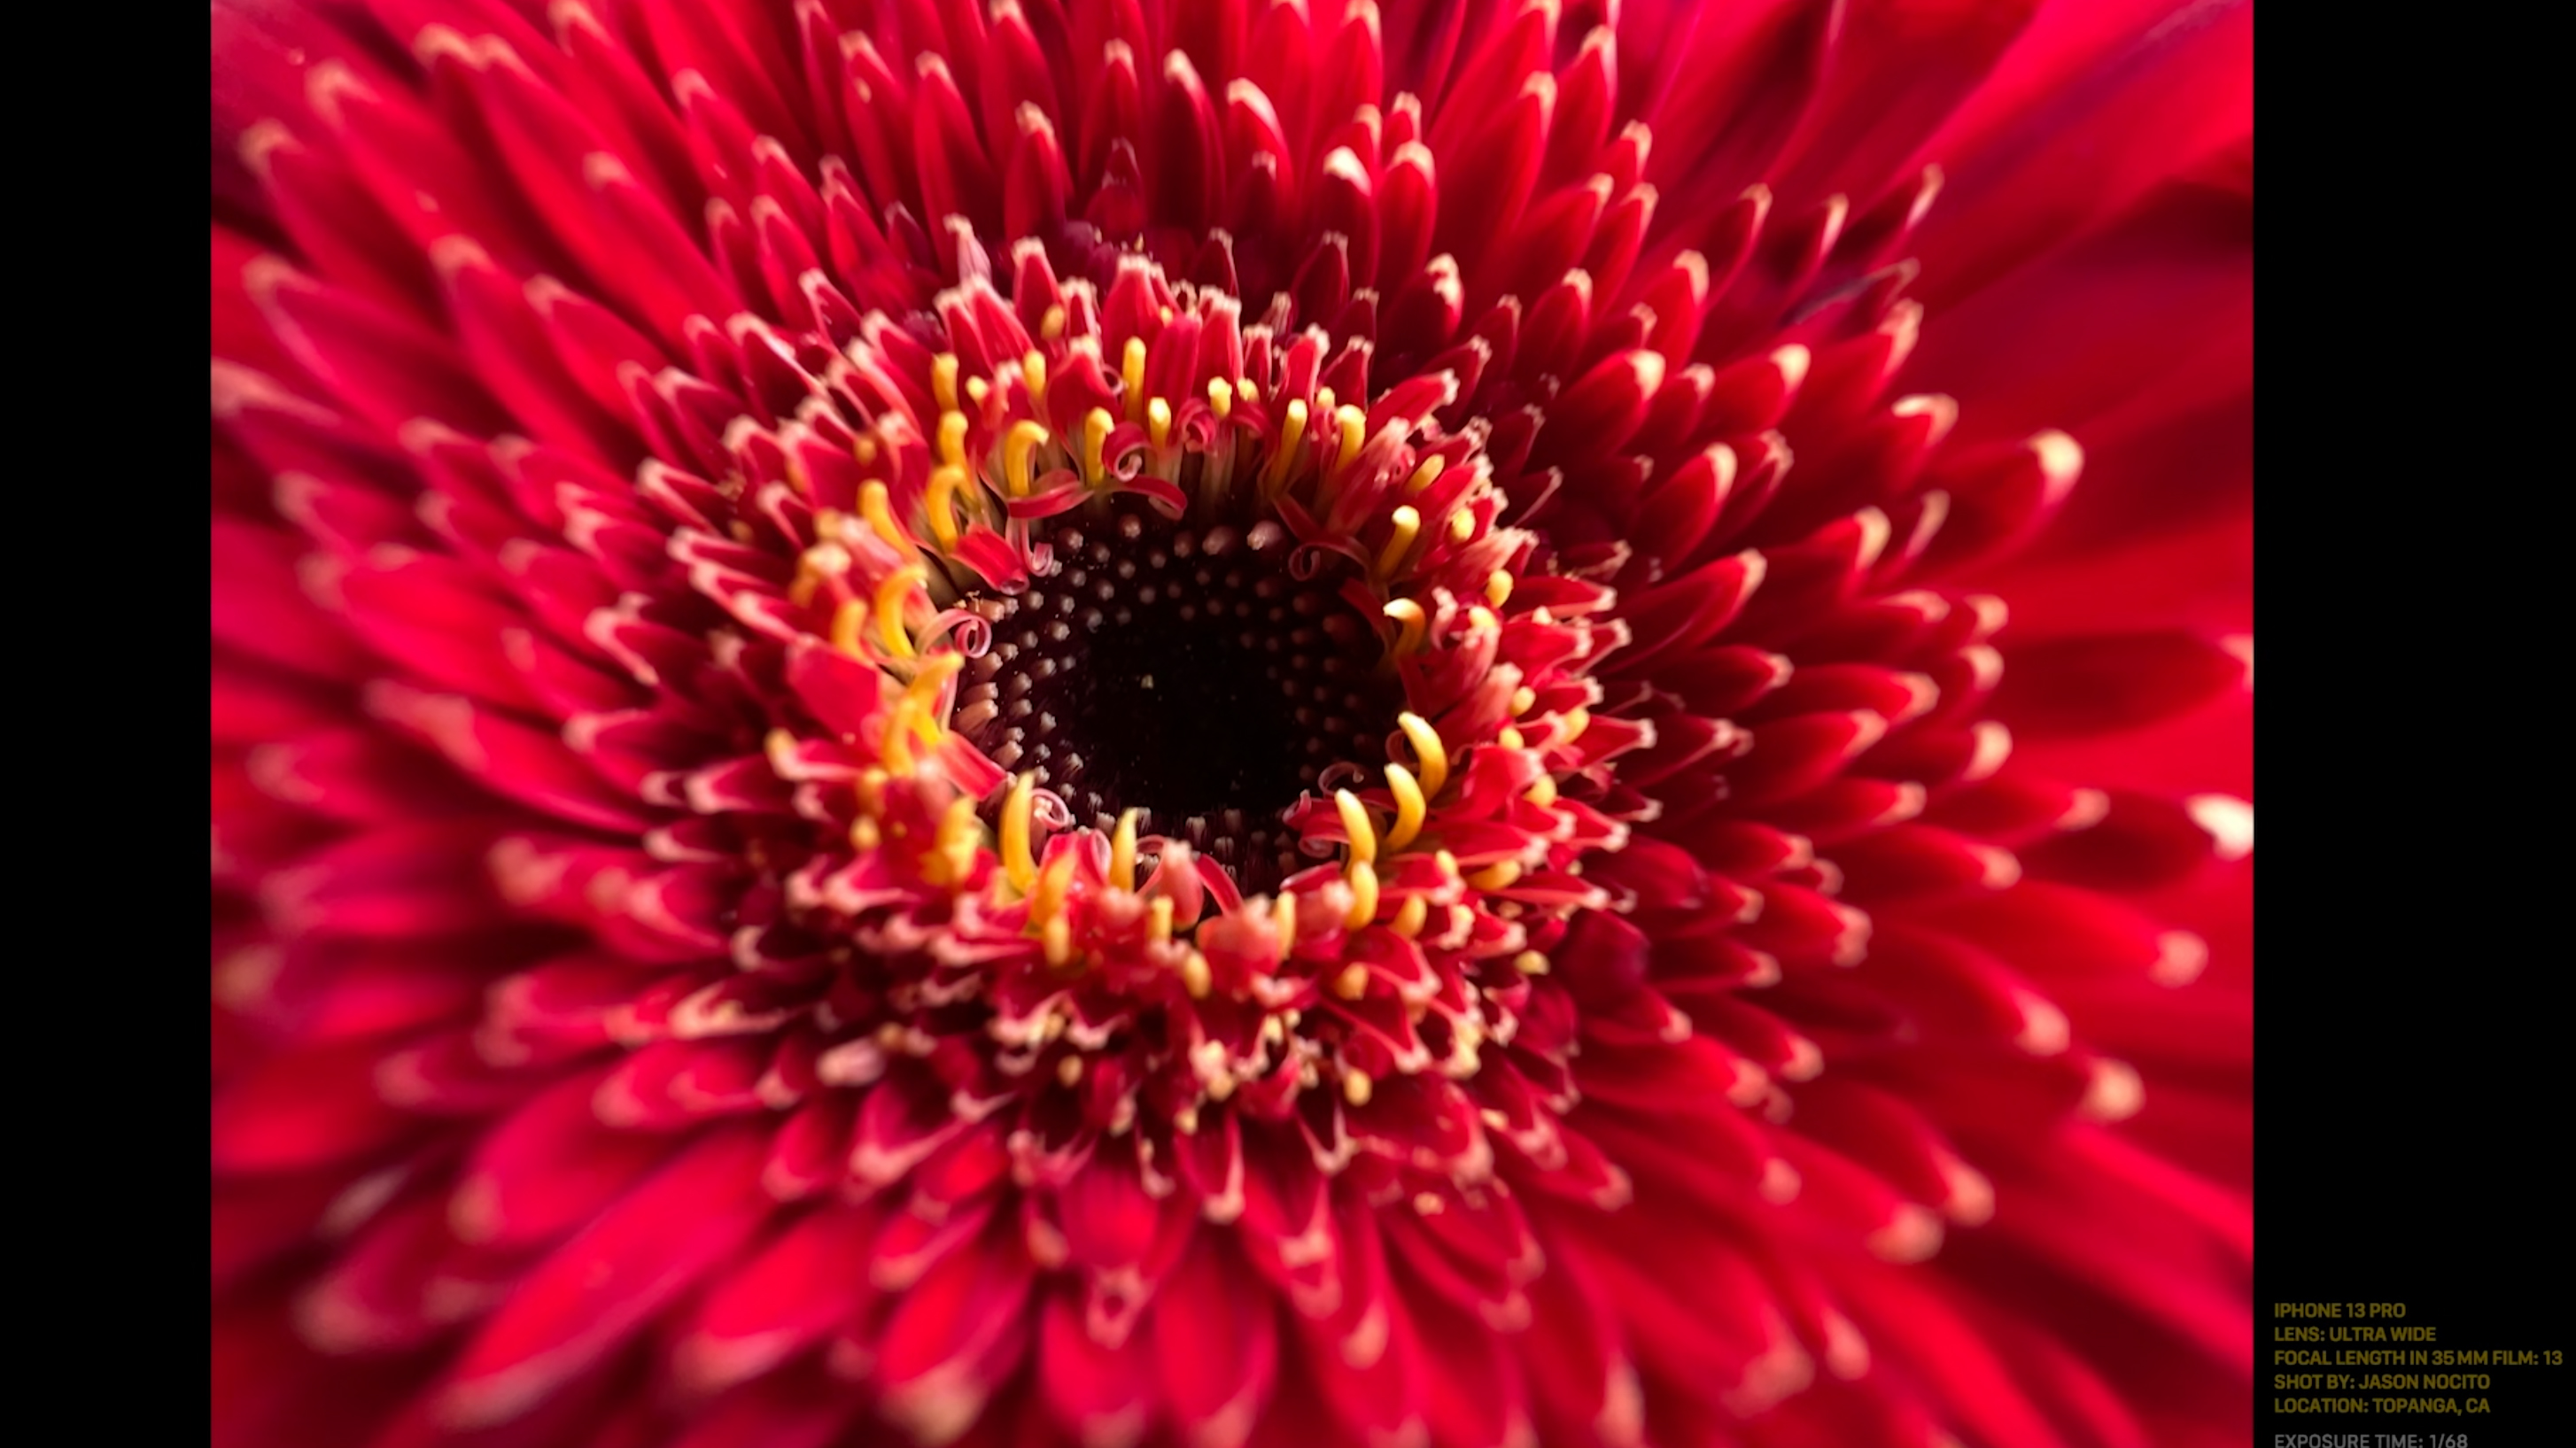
x=1429, y=753
x=1046, y=903
x=1409, y=806
x=891, y=597
x=977, y=390
x=830, y=525
x=1409, y=916
x=1017, y=864
x=1158, y=423
x=1158, y=918
x=1530, y=962
x=1022, y=439
x=1356, y=1088
x=1355, y=823
x=1524, y=699
x=958, y=838
x=952, y=438
x=1571, y=724
x=870, y=788
x=864, y=448
x=1426, y=474
x=1068, y=1069
x=1033, y=376
x=1497, y=876
x=1462, y=526
x=1122, y=854
x=1352, y=983
x=1095, y=436
x=1291, y=433
x=880, y=514
x=1498, y=587
x=933, y=672
x=1283, y=923
x=945, y=484
x=847, y=622
x=1221, y=397
x=1324, y=400
x=1410, y=626
x=895, y=749
x=1056, y=939
x=1195, y=980
x=1051, y=326
x=1362, y=878
x=864, y=835
x=1350, y=420
x=1510, y=738
x=1131, y=370
x=1247, y=389
x=943, y=381
x=1542, y=793
x=1408, y=525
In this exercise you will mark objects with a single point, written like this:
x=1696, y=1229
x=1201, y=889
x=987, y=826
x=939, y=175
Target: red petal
x=302, y=1109
x=605, y=1284
x=1216, y=1337
x=809, y=1279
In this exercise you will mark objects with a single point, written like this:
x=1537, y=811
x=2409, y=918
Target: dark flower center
x=1184, y=670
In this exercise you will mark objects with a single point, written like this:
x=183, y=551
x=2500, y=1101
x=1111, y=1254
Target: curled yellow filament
x=849, y=621
x=1410, y=627
x=1408, y=525
x=1355, y=823
x=1292, y=432
x=943, y=381
x=1410, y=807
x=1122, y=856
x=1046, y=903
x=1022, y=439
x=1033, y=375
x=1409, y=916
x=1018, y=866
x=952, y=439
x=1131, y=370
x=1362, y=878
x=1095, y=436
x=1430, y=755
x=895, y=748
x=890, y=599
x=880, y=514
x=945, y=484
x=1350, y=422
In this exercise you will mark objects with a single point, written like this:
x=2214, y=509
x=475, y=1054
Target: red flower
x=1123, y=723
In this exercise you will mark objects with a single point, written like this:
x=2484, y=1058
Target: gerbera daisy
x=1142, y=723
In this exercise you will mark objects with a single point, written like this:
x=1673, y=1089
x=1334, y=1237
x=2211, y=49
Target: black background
x=2415, y=1133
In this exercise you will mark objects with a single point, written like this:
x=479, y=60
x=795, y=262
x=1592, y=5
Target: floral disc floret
x=1095, y=972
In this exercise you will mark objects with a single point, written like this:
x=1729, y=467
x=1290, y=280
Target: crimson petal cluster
x=1241, y=723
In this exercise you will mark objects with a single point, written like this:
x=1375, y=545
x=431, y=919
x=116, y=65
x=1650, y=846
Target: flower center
x=1180, y=727
x=1185, y=671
